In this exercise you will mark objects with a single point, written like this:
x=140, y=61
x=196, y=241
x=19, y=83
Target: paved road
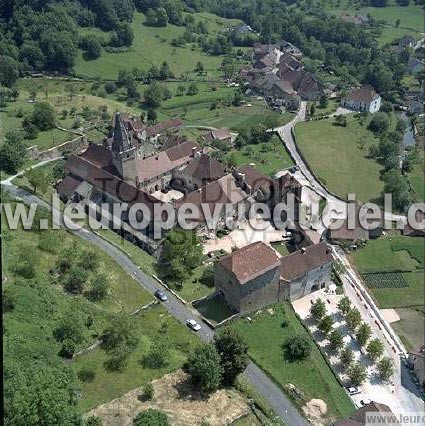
x=407, y=400
x=336, y=208
x=261, y=382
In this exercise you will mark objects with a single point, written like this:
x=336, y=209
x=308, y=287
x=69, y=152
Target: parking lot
x=373, y=388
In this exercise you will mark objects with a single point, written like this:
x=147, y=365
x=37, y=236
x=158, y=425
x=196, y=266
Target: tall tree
x=344, y=305
x=325, y=324
x=318, y=309
x=233, y=353
x=204, y=367
x=375, y=349
x=385, y=369
x=336, y=340
x=353, y=318
x=346, y=356
x=357, y=373
x=297, y=347
x=363, y=334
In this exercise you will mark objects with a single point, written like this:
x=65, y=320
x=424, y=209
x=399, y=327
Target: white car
x=364, y=402
x=193, y=325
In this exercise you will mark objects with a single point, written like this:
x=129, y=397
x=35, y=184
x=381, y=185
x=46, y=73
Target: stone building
x=255, y=276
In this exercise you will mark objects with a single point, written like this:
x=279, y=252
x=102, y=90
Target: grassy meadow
x=312, y=376
x=151, y=46
x=322, y=142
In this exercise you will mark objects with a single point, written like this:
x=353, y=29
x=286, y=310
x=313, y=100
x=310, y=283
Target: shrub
x=297, y=347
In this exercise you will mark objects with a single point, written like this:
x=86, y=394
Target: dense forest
x=43, y=35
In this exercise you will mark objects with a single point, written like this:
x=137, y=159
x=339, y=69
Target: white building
x=364, y=99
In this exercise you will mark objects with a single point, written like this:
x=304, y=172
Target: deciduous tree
x=357, y=373
x=204, y=367
x=233, y=353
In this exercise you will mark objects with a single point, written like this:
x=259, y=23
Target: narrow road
x=277, y=400
x=404, y=398
x=336, y=208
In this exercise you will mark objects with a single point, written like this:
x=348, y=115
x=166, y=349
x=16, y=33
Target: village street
x=277, y=400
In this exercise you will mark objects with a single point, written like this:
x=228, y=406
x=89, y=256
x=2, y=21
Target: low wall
x=76, y=144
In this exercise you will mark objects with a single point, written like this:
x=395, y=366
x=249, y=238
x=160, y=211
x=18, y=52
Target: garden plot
x=385, y=280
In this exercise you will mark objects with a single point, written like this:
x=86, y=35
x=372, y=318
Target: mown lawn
x=334, y=154
x=108, y=385
x=265, y=336
x=385, y=254
x=151, y=45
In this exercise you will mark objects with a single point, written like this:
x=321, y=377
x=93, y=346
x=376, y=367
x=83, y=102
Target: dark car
x=161, y=295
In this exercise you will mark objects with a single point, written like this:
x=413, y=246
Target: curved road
x=335, y=206
x=281, y=405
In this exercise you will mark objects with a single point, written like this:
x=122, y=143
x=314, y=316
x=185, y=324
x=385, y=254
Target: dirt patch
x=183, y=405
x=315, y=410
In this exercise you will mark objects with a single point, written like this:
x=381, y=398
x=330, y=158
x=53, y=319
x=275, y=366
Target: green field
x=268, y=157
x=336, y=158
x=40, y=303
x=411, y=17
x=398, y=254
x=265, y=336
x=417, y=178
x=151, y=46
x=395, y=254
x=108, y=385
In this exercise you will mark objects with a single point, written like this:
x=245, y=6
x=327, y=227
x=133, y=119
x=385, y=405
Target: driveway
x=260, y=381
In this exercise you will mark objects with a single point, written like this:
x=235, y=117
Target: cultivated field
x=393, y=269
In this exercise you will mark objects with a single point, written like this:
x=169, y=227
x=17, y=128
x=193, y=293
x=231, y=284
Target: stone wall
x=76, y=144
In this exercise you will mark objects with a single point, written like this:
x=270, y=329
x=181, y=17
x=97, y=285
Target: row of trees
x=374, y=348
x=387, y=152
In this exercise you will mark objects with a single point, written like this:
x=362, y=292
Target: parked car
x=364, y=401
x=193, y=325
x=161, y=295
x=353, y=390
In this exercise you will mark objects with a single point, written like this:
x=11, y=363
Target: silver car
x=191, y=323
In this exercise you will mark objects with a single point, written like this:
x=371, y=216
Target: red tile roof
x=363, y=94
x=108, y=183
x=205, y=168
x=250, y=261
x=296, y=264
x=160, y=127
x=98, y=155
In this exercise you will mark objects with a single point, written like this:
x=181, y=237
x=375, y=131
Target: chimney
x=193, y=151
x=242, y=177
x=303, y=250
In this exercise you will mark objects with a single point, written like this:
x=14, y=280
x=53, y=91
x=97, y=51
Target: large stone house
x=363, y=99
x=255, y=276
